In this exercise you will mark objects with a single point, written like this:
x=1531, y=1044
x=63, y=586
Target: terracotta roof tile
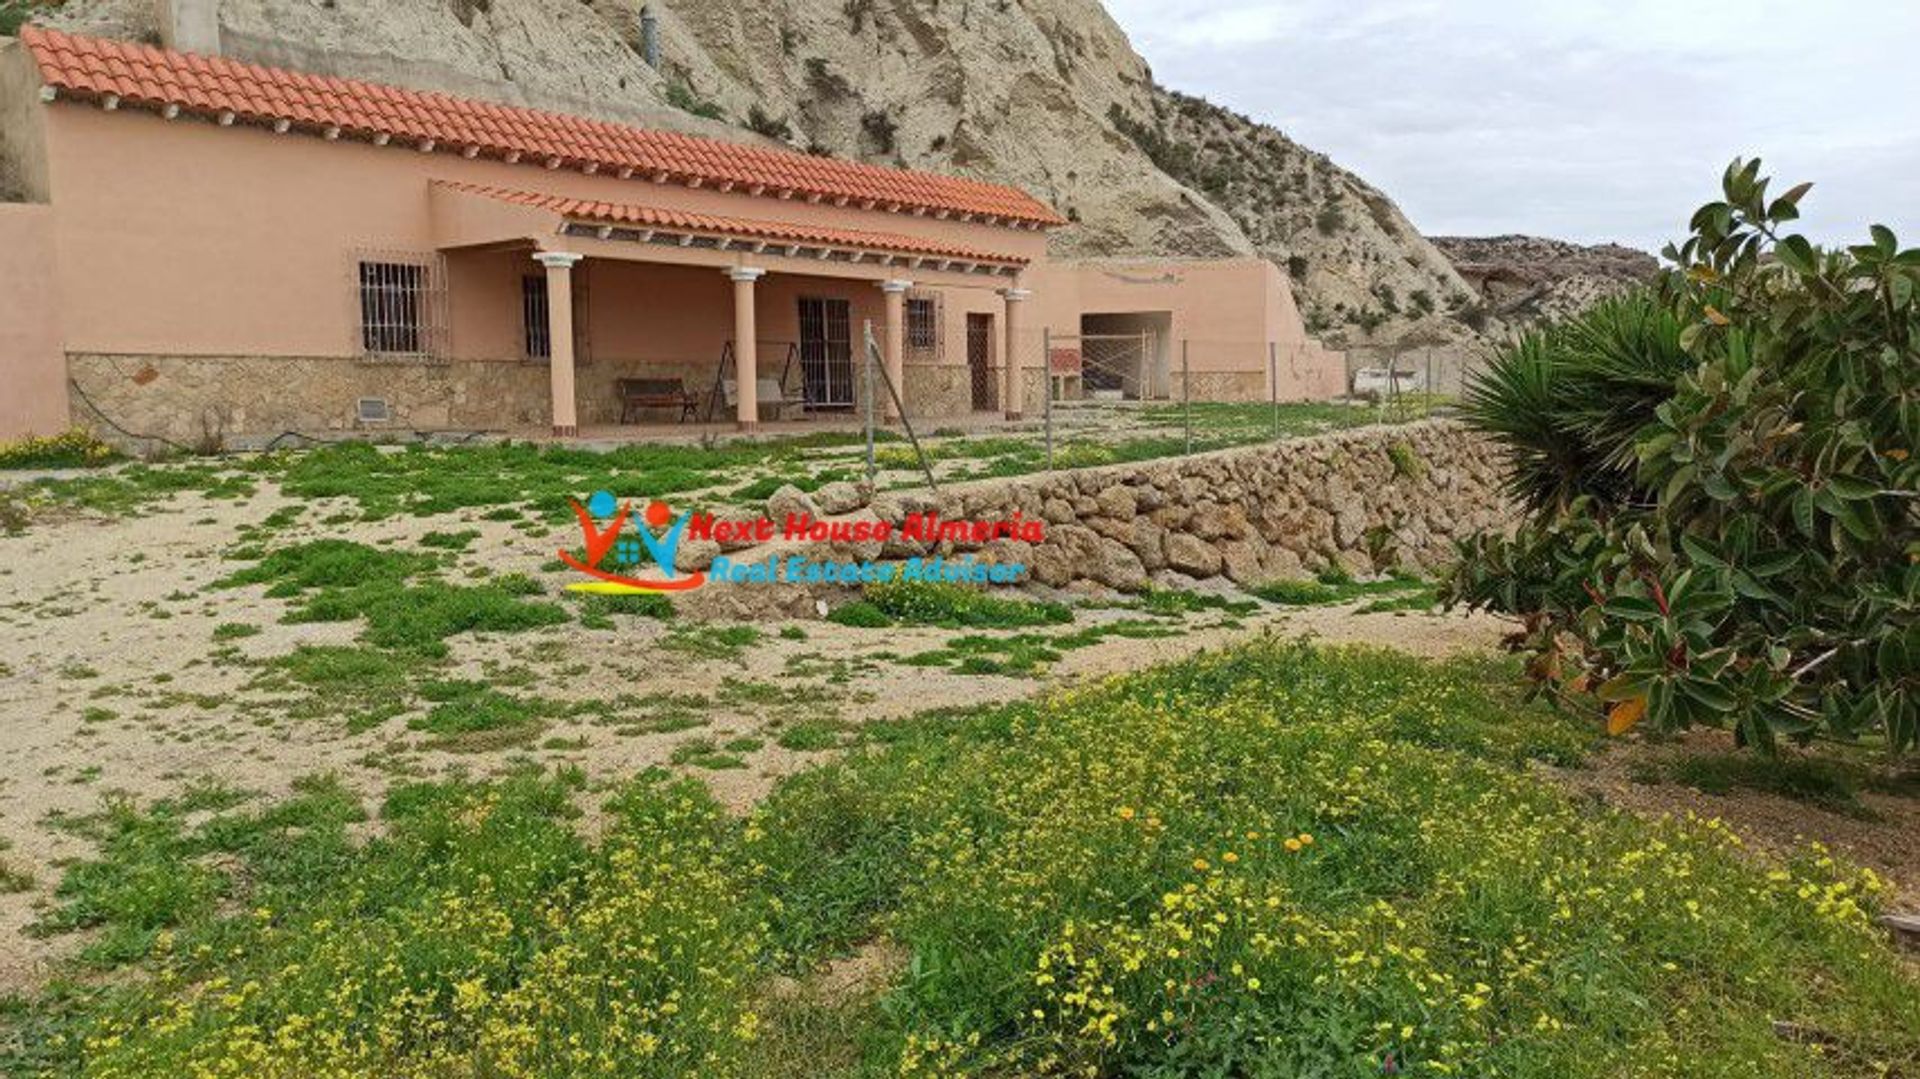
x=612, y=213
x=86, y=65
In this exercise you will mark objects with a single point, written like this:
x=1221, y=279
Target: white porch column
x=559, y=264
x=1011, y=384
x=746, y=353
x=895, y=345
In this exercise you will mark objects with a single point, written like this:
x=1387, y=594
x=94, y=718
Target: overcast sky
x=1586, y=120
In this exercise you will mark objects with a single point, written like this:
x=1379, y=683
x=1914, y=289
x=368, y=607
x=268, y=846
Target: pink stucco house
x=206, y=249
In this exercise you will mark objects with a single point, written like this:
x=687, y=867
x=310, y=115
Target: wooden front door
x=980, y=360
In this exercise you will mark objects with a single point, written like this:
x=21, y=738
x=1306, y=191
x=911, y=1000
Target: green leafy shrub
x=1736, y=545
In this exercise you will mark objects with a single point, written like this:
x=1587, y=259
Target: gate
x=1099, y=386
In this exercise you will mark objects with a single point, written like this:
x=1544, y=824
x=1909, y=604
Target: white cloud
x=1585, y=119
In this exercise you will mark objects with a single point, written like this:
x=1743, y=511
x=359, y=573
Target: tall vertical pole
x=867, y=353
x=1046, y=381
x=1429, y=386
x=1273, y=384
x=1186, y=394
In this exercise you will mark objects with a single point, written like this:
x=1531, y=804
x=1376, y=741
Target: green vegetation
x=954, y=606
x=450, y=541
x=1395, y=591
x=75, y=448
x=711, y=641
x=1275, y=860
x=597, y=611
x=1828, y=782
x=703, y=753
x=1721, y=477
x=340, y=580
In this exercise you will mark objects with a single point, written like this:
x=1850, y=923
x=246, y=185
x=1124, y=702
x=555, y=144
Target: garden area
x=316, y=768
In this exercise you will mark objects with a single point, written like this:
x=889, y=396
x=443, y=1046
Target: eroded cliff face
x=1045, y=94
x=1522, y=280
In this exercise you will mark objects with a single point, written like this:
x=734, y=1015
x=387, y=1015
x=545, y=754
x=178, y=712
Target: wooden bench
x=639, y=393
x=768, y=395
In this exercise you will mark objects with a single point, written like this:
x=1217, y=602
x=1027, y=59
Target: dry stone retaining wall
x=1366, y=500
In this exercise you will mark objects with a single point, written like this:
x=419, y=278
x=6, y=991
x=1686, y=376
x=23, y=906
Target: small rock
x=790, y=501
x=1192, y=556
x=695, y=555
x=837, y=498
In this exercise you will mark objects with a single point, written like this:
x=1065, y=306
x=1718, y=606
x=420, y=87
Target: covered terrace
x=697, y=296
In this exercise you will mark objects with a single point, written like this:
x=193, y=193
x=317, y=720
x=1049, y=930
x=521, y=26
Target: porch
x=712, y=316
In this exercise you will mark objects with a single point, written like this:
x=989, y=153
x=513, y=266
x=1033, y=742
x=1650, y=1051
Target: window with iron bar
x=923, y=324
x=533, y=311
x=402, y=304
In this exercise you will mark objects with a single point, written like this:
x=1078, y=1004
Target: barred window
x=923, y=329
x=533, y=310
x=390, y=306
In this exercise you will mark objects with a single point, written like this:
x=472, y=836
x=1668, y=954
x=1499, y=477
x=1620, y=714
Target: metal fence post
x=1186, y=394
x=867, y=333
x=1273, y=384
x=1046, y=385
x=1430, y=390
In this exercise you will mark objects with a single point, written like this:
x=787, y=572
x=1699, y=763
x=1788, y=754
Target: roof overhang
x=470, y=216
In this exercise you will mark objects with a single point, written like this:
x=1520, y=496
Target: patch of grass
x=703, y=753
x=1028, y=654
x=329, y=564
x=861, y=614
x=233, y=631
x=1816, y=782
x=463, y=710
x=420, y=618
x=811, y=736
x=154, y=874
x=1174, y=602
x=711, y=641
x=932, y=603
x=450, y=541
x=597, y=611
x=1391, y=592
x=367, y=686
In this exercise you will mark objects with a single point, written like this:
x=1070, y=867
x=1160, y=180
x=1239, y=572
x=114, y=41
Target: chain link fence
x=1135, y=392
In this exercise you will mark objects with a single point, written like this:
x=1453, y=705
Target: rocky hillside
x=1526, y=279
x=1046, y=94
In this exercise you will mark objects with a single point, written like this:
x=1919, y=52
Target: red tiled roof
x=143, y=75
x=712, y=224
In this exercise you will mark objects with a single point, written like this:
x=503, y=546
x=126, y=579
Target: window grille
x=533, y=311
x=402, y=306
x=923, y=325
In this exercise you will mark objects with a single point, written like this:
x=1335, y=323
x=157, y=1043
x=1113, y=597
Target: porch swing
x=770, y=392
